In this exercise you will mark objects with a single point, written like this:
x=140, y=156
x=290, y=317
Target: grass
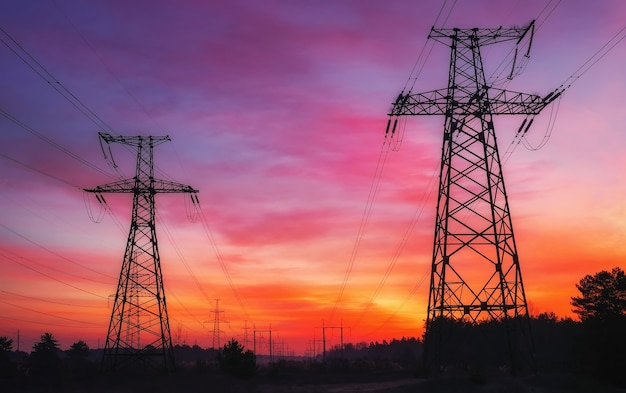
x=311, y=382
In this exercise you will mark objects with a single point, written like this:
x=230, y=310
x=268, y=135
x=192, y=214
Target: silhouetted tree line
x=602, y=310
x=594, y=346
x=46, y=361
x=375, y=357
x=236, y=361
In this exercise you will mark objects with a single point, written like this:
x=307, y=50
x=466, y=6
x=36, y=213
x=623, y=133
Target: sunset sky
x=277, y=112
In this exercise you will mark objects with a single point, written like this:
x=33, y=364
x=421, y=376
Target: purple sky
x=276, y=110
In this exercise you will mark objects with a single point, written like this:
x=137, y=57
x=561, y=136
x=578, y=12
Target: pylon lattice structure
x=216, y=325
x=475, y=274
x=139, y=331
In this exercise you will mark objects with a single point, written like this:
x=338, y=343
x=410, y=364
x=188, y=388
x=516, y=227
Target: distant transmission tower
x=216, y=325
x=475, y=274
x=139, y=330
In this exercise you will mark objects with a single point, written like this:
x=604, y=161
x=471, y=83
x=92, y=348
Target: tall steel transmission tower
x=476, y=273
x=139, y=330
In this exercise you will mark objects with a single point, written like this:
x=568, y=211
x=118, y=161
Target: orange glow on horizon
x=277, y=115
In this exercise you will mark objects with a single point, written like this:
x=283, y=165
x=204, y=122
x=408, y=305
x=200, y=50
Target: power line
x=39, y=171
x=56, y=254
x=393, y=144
x=39, y=322
x=53, y=143
x=53, y=82
x=557, y=94
x=54, y=269
x=420, y=282
x=182, y=258
x=46, y=300
x=554, y=111
x=508, y=62
x=595, y=58
x=106, y=65
x=432, y=44
x=221, y=262
x=118, y=80
x=52, y=278
x=180, y=303
x=398, y=252
x=50, y=315
x=382, y=158
x=540, y=23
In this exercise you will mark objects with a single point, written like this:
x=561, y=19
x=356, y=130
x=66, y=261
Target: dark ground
x=311, y=383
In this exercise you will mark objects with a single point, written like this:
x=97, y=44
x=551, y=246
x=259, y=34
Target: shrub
x=234, y=361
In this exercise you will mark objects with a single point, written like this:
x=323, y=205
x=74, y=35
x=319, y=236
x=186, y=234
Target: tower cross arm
x=134, y=140
x=126, y=185
x=153, y=186
x=482, y=36
x=506, y=102
x=439, y=102
x=429, y=103
x=166, y=186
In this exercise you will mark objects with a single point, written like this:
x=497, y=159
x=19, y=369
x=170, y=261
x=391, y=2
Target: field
x=191, y=383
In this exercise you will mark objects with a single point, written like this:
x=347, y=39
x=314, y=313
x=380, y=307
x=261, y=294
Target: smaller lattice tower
x=139, y=331
x=216, y=325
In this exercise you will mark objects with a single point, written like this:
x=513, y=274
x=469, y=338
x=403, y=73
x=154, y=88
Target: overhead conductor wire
x=413, y=76
x=43, y=73
x=205, y=224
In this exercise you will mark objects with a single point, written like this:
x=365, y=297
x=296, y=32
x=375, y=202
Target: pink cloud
x=277, y=112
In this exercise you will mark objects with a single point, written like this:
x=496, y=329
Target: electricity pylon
x=216, y=326
x=475, y=272
x=139, y=330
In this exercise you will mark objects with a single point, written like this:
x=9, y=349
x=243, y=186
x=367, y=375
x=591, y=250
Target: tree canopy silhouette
x=603, y=296
x=6, y=346
x=79, y=350
x=47, y=344
x=44, y=360
x=602, y=311
x=234, y=361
